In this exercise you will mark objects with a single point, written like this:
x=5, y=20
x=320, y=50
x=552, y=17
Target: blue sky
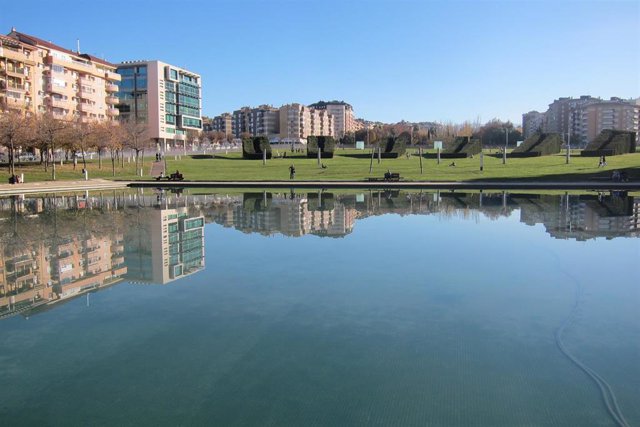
x=392, y=60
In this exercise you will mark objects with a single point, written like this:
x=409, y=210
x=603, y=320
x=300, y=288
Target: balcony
x=87, y=108
x=64, y=90
x=112, y=100
x=13, y=87
x=80, y=66
x=16, y=55
x=13, y=103
x=113, y=112
x=112, y=88
x=59, y=103
x=86, y=94
x=15, y=71
x=87, y=82
x=112, y=76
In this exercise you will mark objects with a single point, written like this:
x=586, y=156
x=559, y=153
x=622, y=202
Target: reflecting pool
x=316, y=308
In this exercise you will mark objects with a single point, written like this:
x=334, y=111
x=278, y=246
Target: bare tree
x=50, y=133
x=80, y=138
x=14, y=132
x=136, y=139
x=115, y=138
x=192, y=137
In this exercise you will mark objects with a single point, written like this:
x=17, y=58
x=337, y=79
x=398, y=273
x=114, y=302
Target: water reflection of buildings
x=325, y=214
x=164, y=244
x=52, y=249
x=295, y=215
x=47, y=255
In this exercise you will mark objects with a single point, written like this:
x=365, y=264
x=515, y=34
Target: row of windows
x=189, y=101
x=130, y=71
x=129, y=84
x=189, y=90
x=190, y=111
x=188, y=121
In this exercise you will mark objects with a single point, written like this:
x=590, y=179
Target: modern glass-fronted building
x=165, y=97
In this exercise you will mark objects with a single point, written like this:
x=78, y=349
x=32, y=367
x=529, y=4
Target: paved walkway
x=157, y=168
x=58, y=186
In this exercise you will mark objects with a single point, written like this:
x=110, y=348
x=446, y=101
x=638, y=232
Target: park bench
x=172, y=177
x=388, y=176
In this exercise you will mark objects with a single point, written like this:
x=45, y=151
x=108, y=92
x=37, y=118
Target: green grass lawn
x=344, y=167
x=347, y=166
x=34, y=171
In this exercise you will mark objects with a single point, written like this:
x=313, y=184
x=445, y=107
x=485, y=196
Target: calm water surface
x=318, y=308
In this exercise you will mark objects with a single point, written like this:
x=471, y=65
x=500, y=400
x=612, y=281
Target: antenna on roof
x=78, y=40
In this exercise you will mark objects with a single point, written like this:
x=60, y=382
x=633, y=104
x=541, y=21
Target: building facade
x=532, y=123
x=17, y=73
x=223, y=123
x=591, y=119
x=264, y=121
x=295, y=123
x=166, y=98
x=240, y=121
x=343, y=118
x=40, y=77
x=584, y=118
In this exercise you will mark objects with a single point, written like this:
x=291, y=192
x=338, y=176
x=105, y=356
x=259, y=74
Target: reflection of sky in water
x=411, y=320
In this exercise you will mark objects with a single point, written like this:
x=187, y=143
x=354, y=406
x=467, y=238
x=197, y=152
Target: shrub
x=611, y=143
x=539, y=144
x=253, y=147
x=326, y=145
x=392, y=148
x=461, y=147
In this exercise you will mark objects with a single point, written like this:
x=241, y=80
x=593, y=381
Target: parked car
x=27, y=157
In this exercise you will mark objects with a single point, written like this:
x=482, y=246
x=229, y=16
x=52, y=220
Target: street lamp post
x=568, y=156
x=506, y=143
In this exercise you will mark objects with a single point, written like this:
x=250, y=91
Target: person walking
x=292, y=172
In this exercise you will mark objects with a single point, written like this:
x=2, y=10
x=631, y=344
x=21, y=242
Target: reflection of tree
x=16, y=254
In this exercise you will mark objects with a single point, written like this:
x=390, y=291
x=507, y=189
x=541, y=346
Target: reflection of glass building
x=165, y=245
x=164, y=97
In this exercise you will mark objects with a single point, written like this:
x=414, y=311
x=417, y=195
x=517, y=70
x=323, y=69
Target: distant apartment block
x=295, y=123
x=589, y=120
x=164, y=97
x=584, y=118
x=343, y=118
x=38, y=76
x=240, y=121
x=532, y=122
x=298, y=122
x=261, y=121
x=223, y=123
x=291, y=122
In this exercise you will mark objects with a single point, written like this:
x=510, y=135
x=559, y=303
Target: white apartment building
x=168, y=99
